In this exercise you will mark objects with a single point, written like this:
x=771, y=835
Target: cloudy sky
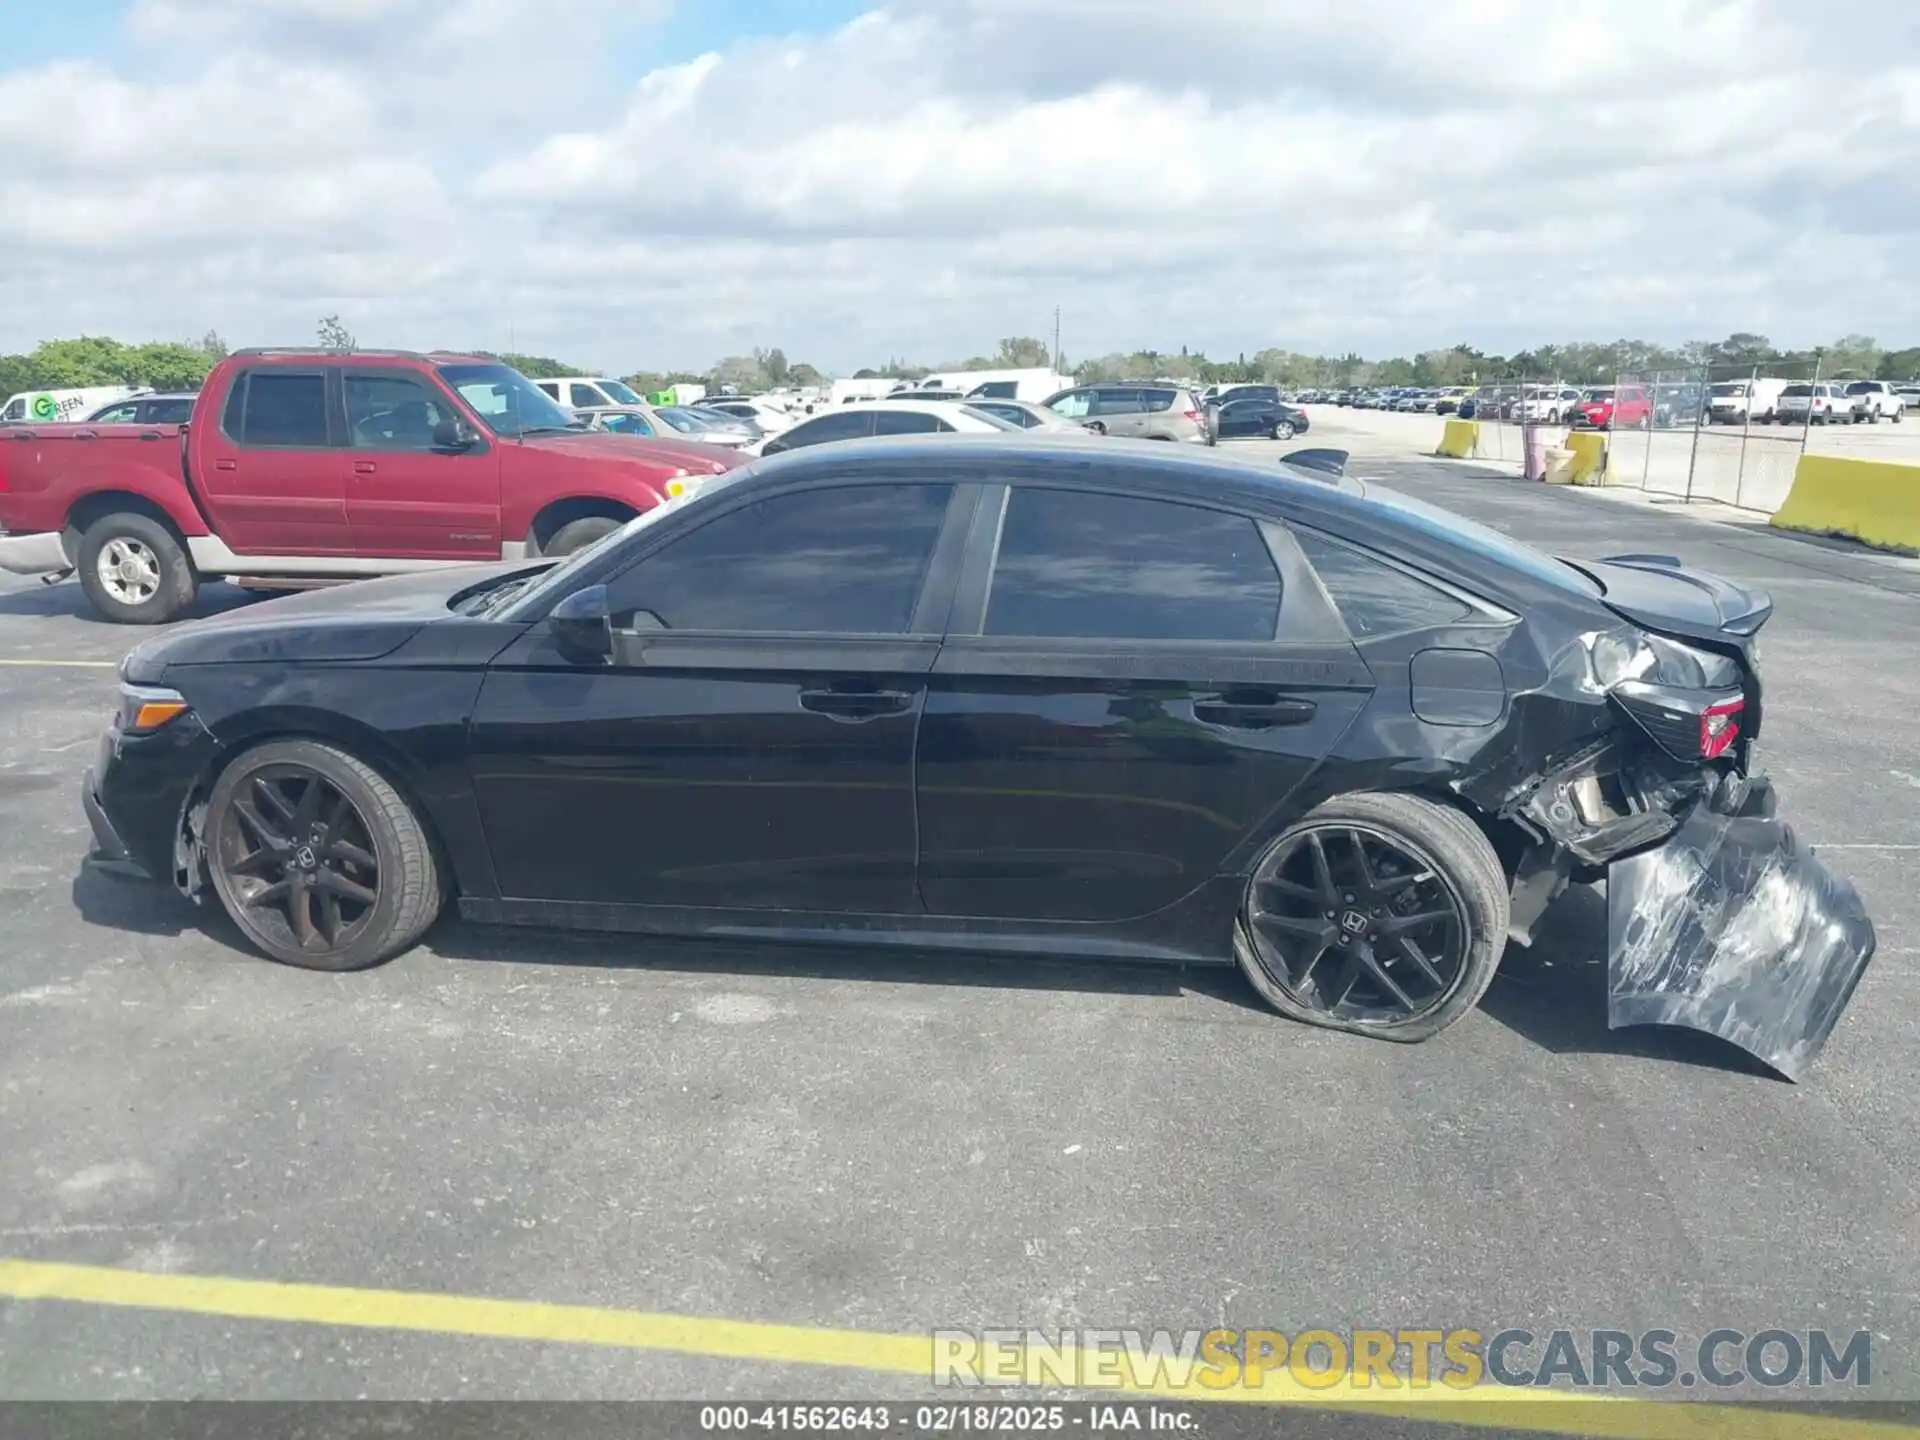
x=655, y=183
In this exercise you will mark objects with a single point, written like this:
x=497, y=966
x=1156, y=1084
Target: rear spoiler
x=1325, y=461
x=1741, y=611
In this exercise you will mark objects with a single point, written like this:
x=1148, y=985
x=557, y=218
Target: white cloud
x=927, y=179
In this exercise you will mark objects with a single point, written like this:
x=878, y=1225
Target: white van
x=53, y=407
x=588, y=392
x=1733, y=401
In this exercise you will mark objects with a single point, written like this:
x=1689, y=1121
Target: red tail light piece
x=1191, y=414
x=1719, y=728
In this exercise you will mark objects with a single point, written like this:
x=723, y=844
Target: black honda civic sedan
x=1014, y=695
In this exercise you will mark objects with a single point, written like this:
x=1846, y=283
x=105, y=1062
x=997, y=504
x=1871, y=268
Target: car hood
x=360, y=621
x=600, y=447
x=1657, y=591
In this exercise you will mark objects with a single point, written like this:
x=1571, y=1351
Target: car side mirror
x=454, y=433
x=582, y=626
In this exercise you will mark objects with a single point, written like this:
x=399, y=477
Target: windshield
x=621, y=393
x=1732, y=389
x=559, y=581
x=1485, y=541
x=506, y=401
x=685, y=421
x=996, y=421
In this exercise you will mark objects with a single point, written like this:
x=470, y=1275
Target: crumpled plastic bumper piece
x=1734, y=928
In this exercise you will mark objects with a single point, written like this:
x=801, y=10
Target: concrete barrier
x=1459, y=440
x=1870, y=500
x=1589, y=449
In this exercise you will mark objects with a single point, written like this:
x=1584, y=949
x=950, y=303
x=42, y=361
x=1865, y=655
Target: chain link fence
x=1725, y=434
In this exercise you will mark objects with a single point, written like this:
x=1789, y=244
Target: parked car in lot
x=1808, y=404
x=153, y=408
x=304, y=466
x=948, y=694
x=657, y=422
x=904, y=417
x=1609, y=407
x=1255, y=418
x=1736, y=402
x=1023, y=413
x=590, y=392
x=1548, y=404
x=1147, y=412
x=772, y=418
x=1875, y=400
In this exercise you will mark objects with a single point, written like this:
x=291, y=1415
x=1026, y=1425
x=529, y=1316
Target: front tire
x=317, y=859
x=134, y=570
x=1378, y=914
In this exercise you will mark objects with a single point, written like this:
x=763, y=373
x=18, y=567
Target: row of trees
x=167, y=365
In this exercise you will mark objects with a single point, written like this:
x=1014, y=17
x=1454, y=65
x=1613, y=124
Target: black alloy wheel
x=317, y=859
x=300, y=857
x=1382, y=914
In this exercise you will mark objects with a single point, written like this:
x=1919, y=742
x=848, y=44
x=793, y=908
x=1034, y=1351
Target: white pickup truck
x=1875, y=400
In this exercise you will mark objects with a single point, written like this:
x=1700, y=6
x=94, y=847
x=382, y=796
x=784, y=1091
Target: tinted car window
x=1082, y=565
x=118, y=414
x=1373, y=597
x=845, y=426
x=846, y=560
x=582, y=397
x=390, y=412
x=908, y=422
x=621, y=423
x=1798, y=390
x=1157, y=399
x=285, y=408
x=1074, y=404
x=169, y=412
x=1117, y=402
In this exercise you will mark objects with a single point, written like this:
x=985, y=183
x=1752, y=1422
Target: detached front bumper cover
x=1734, y=928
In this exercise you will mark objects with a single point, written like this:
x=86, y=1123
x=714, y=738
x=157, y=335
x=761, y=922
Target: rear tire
x=1283, y=430
x=1455, y=870
x=578, y=534
x=135, y=570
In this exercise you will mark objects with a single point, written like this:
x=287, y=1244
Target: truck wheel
x=578, y=534
x=134, y=570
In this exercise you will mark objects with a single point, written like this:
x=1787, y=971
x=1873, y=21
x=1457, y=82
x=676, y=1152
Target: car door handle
x=226, y=464
x=363, y=467
x=856, y=704
x=1251, y=712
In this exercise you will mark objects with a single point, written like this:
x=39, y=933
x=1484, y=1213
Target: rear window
x=1798, y=390
x=1486, y=542
x=1863, y=387
x=1157, y=399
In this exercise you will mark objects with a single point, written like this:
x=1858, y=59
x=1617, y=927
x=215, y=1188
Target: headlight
x=145, y=708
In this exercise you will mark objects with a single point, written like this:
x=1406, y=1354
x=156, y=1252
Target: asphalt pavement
x=893, y=1143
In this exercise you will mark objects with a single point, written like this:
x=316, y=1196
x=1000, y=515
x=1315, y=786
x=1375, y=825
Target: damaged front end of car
x=1719, y=918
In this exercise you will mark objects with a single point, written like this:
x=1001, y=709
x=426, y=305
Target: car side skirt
x=1197, y=930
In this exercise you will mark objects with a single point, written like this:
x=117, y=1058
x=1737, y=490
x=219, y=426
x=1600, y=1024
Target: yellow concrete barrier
x=1589, y=449
x=1870, y=500
x=1460, y=439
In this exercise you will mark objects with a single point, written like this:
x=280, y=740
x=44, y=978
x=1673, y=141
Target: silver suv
x=1143, y=410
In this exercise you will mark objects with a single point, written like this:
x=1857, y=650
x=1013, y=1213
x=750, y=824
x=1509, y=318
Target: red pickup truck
x=300, y=467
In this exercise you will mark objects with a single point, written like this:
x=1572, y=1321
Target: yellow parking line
x=59, y=664
x=910, y=1355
